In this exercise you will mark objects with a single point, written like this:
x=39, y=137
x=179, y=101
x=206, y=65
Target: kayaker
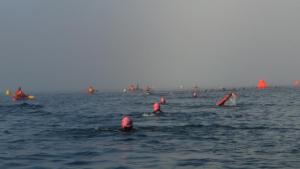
x=20, y=94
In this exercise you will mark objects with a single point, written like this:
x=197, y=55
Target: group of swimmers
x=126, y=122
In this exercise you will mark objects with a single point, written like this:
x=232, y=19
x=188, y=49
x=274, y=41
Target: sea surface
x=75, y=130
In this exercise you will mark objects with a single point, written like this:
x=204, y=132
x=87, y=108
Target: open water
x=75, y=130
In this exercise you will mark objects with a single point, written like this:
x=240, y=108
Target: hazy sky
x=69, y=44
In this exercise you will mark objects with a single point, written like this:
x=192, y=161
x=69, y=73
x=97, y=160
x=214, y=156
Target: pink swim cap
x=156, y=107
x=162, y=100
x=126, y=123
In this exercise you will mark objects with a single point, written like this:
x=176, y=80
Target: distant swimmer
x=91, y=90
x=181, y=87
x=156, y=108
x=230, y=96
x=195, y=91
x=195, y=94
x=126, y=123
x=163, y=100
x=147, y=90
x=196, y=88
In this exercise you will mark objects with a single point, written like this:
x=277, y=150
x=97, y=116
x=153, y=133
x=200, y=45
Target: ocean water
x=74, y=130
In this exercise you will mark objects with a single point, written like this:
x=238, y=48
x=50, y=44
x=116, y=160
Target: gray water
x=74, y=130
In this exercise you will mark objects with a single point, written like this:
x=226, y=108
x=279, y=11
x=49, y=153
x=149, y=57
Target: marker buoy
x=224, y=100
x=297, y=83
x=262, y=84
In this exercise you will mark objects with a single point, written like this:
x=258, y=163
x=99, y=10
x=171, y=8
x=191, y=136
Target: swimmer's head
x=156, y=107
x=126, y=123
x=163, y=100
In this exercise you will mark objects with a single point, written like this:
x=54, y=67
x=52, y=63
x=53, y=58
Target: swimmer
x=91, y=90
x=195, y=91
x=156, y=108
x=195, y=95
x=126, y=123
x=163, y=100
x=147, y=90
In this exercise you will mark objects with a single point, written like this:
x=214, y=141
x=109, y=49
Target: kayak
x=23, y=98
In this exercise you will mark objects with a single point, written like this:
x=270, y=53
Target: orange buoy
x=262, y=84
x=297, y=83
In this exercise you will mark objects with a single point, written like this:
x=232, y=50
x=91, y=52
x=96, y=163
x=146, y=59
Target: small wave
x=208, y=127
x=193, y=162
x=86, y=153
x=148, y=114
x=71, y=133
x=40, y=112
x=29, y=105
x=76, y=163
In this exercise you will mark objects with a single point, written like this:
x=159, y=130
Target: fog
x=70, y=44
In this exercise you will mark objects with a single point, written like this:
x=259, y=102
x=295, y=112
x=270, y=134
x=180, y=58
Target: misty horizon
x=64, y=45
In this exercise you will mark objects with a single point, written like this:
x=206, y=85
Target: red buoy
x=297, y=83
x=262, y=84
x=126, y=123
x=224, y=100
